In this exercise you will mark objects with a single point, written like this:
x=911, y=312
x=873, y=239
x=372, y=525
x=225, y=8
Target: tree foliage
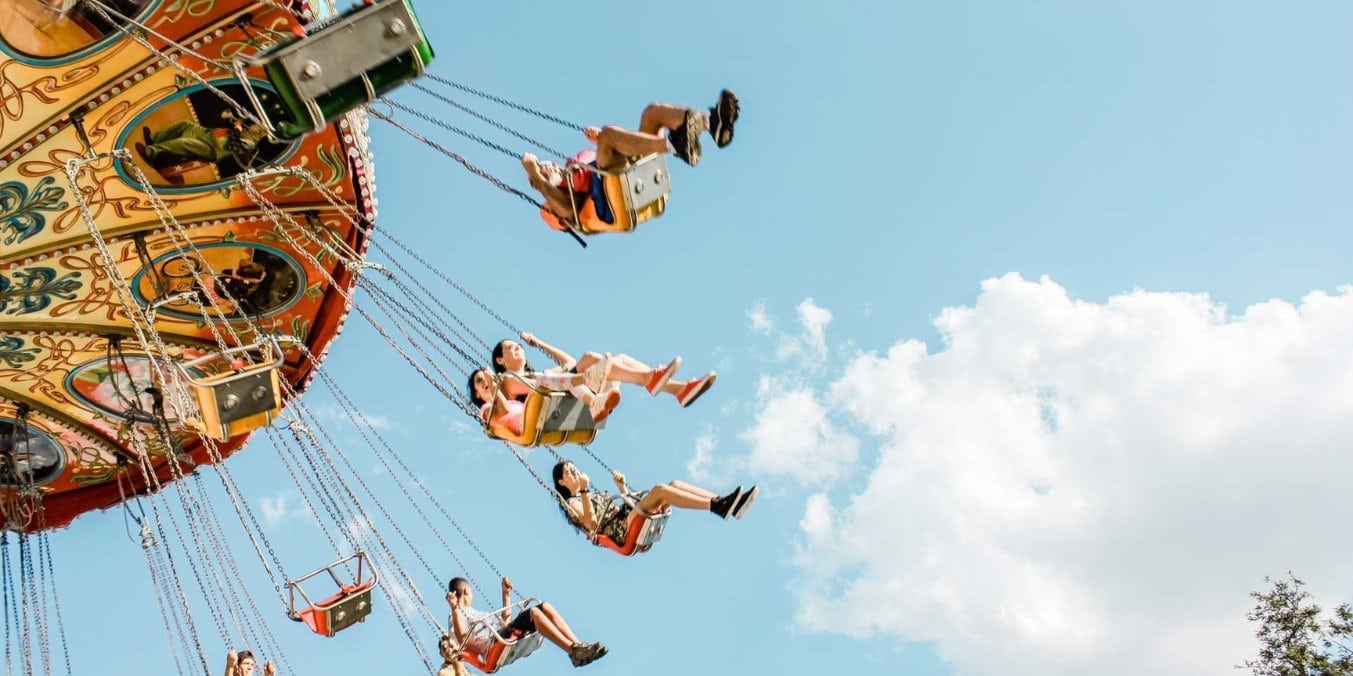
x=1295, y=639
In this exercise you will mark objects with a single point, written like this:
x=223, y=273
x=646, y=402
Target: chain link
x=502, y=101
x=485, y=118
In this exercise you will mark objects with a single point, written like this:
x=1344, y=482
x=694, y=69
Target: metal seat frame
x=340, y=602
x=636, y=193
x=505, y=650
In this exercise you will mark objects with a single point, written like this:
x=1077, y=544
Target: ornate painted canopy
x=67, y=76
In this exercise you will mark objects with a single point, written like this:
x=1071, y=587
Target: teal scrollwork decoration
x=33, y=289
x=21, y=211
x=14, y=354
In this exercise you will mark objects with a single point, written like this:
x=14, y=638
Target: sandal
x=722, y=116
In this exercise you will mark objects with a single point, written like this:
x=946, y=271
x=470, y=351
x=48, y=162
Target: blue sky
x=890, y=158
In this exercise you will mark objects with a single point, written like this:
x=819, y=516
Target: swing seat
x=236, y=401
x=342, y=64
x=642, y=533
x=350, y=605
x=549, y=419
x=504, y=651
x=636, y=194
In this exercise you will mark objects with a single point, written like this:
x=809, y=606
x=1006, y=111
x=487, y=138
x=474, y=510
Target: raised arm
x=560, y=357
x=558, y=202
x=232, y=659
x=507, y=601
x=459, y=626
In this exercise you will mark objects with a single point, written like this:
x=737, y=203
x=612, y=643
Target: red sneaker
x=695, y=388
x=602, y=405
x=661, y=376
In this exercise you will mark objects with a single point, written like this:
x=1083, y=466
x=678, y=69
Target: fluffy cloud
x=759, y=320
x=1069, y=487
x=810, y=345
x=282, y=507
x=791, y=435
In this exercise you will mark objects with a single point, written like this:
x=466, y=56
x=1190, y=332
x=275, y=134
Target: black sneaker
x=722, y=116
x=685, y=139
x=745, y=502
x=722, y=507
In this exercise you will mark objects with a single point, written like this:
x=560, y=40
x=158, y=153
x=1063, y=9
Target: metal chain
x=38, y=596
x=147, y=542
x=459, y=158
x=502, y=101
x=485, y=118
x=362, y=424
x=6, y=585
x=506, y=151
x=349, y=213
x=421, y=320
x=45, y=554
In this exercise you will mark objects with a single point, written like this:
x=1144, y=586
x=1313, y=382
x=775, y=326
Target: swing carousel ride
x=187, y=204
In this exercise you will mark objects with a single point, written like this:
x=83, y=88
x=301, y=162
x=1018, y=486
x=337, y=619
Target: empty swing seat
x=635, y=194
x=342, y=64
x=350, y=605
x=549, y=419
x=238, y=400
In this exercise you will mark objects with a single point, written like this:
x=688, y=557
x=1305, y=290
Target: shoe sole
x=699, y=391
x=672, y=367
x=693, y=128
x=733, y=504
x=724, y=115
x=748, y=498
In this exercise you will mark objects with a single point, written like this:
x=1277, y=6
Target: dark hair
x=498, y=354
x=243, y=655
x=458, y=585
x=470, y=384
x=564, y=494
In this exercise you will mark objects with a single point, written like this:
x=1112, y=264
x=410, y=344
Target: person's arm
x=619, y=480
x=269, y=669
x=507, y=601
x=499, y=406
x=458, y=624
x=232, y=659
x=555, y=199
x=561, y=357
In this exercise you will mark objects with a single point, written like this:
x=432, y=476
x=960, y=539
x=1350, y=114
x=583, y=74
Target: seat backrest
x=551, y=419
x=641, y=533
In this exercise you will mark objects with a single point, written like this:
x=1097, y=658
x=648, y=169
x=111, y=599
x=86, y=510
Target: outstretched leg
x=615, y=145
x=558, y=633
x=548, y=615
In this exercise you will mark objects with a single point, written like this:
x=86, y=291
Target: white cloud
x=698, y=467
x=1070, y=487
x=282, y=507
x=810, y=345
x=791, y=436
x=759, y=320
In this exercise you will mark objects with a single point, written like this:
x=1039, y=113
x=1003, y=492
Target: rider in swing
x=615, y=146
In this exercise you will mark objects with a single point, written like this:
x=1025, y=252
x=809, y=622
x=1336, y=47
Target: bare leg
x=666, y=495
x=615, y=145
x=659, y=116
x=550, y=631
x=624, y=368
x=554, y=618
x=693, y=489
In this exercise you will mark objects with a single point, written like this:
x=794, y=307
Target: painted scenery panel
x=50, y=29
x=195, y=139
